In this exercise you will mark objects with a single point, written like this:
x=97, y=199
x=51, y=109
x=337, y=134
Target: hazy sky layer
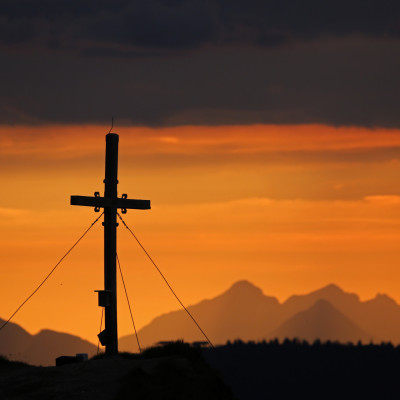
x=290, y=208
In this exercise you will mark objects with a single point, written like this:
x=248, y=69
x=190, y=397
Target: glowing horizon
x=289, y=208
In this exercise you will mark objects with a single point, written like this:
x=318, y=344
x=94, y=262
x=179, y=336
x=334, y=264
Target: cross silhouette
x=110, y=203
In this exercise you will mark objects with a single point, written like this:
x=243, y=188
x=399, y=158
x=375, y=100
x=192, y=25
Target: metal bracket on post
x=97, y=194
x=123, y=210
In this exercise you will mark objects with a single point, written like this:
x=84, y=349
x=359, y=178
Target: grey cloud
x=155, y=25
x=175, y=62
x=339, y=82
x=175, y=24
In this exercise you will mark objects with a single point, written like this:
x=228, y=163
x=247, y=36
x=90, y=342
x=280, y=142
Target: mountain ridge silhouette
x=42, y=348
x=244, y=312
x=322, y=321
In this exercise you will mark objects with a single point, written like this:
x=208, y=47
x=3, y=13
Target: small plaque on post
x=104, y=297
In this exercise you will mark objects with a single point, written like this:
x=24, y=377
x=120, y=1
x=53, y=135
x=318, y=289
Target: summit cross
x=110, y=203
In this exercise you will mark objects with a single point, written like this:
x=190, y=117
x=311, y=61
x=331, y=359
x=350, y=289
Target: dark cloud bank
x=203, y=62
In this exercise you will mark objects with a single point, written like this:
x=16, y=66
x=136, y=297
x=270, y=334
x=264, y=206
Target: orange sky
x=289, y=208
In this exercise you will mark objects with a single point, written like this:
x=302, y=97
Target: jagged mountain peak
x=384, y=299
x=244, y=288
x=331, y=292
x=332, y=288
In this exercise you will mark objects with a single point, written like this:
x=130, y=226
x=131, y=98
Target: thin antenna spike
x=112, y=124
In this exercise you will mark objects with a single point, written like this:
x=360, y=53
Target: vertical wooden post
x=110, y=202
x=110, y=242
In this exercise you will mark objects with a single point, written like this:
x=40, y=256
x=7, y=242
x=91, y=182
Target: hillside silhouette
x=176, y=371
x=241, y=371
x=244, y=312
x=42, y=348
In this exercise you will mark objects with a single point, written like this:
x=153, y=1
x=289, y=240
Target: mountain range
x=42, y=348
x=242, y=312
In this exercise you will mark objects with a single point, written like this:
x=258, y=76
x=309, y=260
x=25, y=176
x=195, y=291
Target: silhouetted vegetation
x=6, y=365
x=294, y=369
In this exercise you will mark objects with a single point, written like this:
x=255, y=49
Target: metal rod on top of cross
x=110, y=202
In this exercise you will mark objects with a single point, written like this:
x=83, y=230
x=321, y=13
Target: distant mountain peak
x=326, y=291
x=323, y=321
x=332, y=291
x=384, y=299
x=244, y=287
x=322, y=304
x=331, y=288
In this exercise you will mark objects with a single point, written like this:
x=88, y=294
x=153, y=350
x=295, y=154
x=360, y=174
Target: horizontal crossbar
x=104, y=202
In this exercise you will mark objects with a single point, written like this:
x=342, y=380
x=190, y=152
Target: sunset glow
x=289, y=208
